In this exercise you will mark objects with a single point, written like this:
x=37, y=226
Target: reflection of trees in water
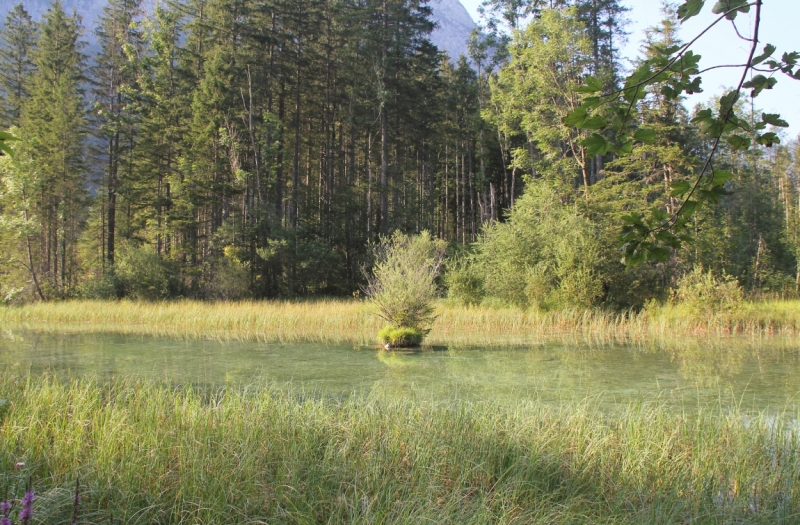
x=710, y=365
x=490, y=373
x=717, y=363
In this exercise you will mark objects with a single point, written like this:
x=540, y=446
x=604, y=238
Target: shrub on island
x=402, y=286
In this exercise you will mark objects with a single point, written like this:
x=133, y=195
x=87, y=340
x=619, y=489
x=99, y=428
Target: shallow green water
x=755, y=376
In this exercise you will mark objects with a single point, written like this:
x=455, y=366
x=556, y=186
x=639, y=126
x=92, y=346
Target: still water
x=755, y=376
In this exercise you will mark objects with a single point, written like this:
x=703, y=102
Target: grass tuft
x=153, y=454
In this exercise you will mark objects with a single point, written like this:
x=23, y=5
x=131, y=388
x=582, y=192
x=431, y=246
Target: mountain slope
x=454, y=27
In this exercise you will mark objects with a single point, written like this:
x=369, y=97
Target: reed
x=154, y=454
x=349, y=321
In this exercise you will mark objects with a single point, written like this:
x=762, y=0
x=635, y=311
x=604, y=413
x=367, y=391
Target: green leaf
x=595, y=122
x=648, y=136
x=759, y=83
x=634, y=85
x=703, y=116
x=596, y=144
x=727, y=101
x=689, y=208
x=790, y=59
x=768, y=139
x=680, y=188
x=689, y=9
x=592, y=86
x=694, y=86
x=769, y=49
x=774, y=119
x=739, y=142
x=4, y=136
x=591, y=102
x=728, y=6
x=575, y=118
x=720, y=177
x=6, y=149
x=625, y=149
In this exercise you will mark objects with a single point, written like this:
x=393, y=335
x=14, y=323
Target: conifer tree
x=53, y=129
x=17, y=44
x=113, y=77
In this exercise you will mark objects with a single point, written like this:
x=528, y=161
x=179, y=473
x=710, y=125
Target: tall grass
x=151, y=454
x=349, y=321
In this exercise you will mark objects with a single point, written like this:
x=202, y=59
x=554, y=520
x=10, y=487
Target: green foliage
x=464, y=283
x=547, y=254
x=655, y=235
x=144, y=275
x=402, y=285
x=403, y=337
x=535, y=91
x=17, y=46
x=107, y=286
x=703, y=292
x=230, y=278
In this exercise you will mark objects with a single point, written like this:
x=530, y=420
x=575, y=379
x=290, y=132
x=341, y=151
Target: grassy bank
x=348, y=321
x=149, y=454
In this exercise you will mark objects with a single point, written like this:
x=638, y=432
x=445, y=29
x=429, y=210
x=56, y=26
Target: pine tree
x=113, y=77
x=17, y=44
x=53, y=128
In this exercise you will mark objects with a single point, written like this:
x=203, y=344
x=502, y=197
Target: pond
x=760, y=375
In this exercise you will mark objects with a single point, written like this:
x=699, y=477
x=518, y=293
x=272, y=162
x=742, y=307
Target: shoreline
x=350, y=322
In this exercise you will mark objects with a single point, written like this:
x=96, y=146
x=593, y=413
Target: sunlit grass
x=349, y=321
x=153, y=454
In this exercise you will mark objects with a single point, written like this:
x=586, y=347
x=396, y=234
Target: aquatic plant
x=403, y=337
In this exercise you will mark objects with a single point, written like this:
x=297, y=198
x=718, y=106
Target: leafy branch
x=676, y=69
x=5, y=148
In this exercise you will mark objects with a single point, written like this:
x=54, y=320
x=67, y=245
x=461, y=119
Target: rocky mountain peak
x=454, y=27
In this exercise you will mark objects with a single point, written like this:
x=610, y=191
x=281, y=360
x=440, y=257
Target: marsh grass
x=350, y=321
x=154, y=454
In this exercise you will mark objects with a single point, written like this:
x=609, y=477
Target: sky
x=721, y=46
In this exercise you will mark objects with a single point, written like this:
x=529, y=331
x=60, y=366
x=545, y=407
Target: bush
x=143, y=274
x=546, y=255
x=107, y=286
x=402, y=286
x=702, y=291
x=401, y=337
x=230, y=277
x=464, y=283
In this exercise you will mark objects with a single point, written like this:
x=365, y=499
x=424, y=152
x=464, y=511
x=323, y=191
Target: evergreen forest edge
x=232, y=150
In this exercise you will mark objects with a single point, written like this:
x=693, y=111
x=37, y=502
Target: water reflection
x=753, y=374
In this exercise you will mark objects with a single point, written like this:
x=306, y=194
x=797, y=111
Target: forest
x=233, y=149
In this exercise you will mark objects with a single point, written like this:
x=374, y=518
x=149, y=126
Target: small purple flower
x=27, y=507
x=5, y=508
x=5, y=521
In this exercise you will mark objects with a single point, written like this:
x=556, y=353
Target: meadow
x=351, y=321
x=145, y=453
